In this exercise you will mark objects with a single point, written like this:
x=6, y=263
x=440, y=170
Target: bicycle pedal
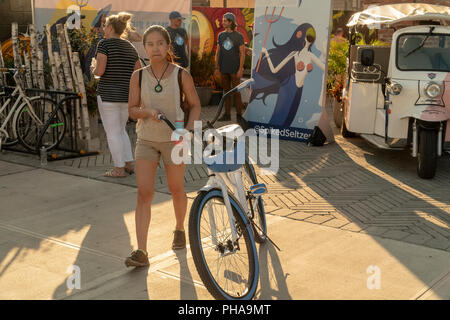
x=258, y=189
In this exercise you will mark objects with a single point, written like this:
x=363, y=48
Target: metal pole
x=190, y=36
x=32, y=12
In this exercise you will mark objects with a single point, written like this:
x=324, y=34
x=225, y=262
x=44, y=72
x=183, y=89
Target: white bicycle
x=22, y=118
x=226, y=219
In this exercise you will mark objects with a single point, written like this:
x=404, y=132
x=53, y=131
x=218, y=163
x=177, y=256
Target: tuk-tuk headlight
x=433, y=90
x=395, y=88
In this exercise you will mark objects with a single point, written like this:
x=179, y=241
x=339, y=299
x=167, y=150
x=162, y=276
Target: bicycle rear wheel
x=259, y=224
x=228, y=270
x=29, y=123
x=53, y=131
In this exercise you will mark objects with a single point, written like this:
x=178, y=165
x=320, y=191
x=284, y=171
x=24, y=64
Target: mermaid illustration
x=283, y=71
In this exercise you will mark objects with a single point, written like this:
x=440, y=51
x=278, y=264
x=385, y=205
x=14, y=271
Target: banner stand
x=289, y=66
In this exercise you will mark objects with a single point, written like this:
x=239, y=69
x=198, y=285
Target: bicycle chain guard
x=255, y=192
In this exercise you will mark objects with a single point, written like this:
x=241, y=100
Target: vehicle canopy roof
x=394, y=13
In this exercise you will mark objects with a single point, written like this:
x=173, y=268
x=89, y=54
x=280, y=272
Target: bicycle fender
x=208, y=188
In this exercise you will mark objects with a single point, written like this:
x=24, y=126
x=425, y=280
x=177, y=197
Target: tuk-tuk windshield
x=423, y=52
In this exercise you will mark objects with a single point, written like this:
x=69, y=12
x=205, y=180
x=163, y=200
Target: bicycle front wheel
x=30, y=120
x=228, y=270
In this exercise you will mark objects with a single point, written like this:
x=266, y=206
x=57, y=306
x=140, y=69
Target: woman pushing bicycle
x=155, y=90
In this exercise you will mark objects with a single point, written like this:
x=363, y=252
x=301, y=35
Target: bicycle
x=29, y=114
x=225, y=224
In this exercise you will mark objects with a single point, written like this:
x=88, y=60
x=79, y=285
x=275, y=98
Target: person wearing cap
x=178, y=38
x=230, y=57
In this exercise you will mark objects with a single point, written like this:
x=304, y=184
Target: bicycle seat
x=228, y=160
x=234, y=130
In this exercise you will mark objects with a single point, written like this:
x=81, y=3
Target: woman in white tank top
x=159, y=93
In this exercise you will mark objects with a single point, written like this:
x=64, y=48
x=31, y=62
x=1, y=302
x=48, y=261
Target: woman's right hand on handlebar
x=153, y=114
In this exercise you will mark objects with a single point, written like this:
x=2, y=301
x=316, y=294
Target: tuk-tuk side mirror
x=367, y=57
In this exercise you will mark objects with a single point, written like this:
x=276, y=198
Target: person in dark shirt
x=178, y=38
x=230, y=56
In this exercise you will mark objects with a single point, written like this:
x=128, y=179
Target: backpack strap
x=143, y=63
x=140, y=78
x=182, y=104
x=180, y=70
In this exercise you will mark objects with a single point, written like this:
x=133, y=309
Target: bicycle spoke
x=228, y=263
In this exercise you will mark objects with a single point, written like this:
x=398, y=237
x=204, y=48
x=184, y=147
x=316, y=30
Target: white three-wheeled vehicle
x=398, y=96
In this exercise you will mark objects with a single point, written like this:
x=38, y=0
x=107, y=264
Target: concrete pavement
x=347, y=216
x=51, y=221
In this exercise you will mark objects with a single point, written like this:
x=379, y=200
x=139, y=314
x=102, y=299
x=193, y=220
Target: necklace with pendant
x=158, y=87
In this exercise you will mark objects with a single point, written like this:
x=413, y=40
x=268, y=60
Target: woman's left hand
x=240, y=73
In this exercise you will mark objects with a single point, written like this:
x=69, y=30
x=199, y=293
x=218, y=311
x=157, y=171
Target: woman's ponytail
x=121, y=23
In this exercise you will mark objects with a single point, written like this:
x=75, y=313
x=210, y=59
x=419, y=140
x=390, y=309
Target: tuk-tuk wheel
x=427, y=155
x=344, y=132
x=338, y=113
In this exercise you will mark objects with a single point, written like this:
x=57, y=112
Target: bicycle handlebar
x=163, y=118
x=239, y=88
x=209, y=124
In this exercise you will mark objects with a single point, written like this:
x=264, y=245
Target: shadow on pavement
x=187, y=286
x=352, y=186
x=272, y=279
x=132, y=283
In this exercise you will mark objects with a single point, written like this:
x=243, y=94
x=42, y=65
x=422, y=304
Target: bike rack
x=69, y=147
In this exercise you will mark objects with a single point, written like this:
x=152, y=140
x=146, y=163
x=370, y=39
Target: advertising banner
x=290, y=54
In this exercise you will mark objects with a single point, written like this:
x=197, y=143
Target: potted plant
x=202, y=71
x=85, y=42
x=337, y=67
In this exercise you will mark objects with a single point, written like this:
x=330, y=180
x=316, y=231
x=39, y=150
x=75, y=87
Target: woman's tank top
x=167, y=101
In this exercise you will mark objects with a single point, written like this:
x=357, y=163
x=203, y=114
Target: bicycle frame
x=11, y=112
x=22, y=97
x=218, y=180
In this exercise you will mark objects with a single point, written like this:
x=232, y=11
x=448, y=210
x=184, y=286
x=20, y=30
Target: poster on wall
x=145, y=12
x=207, y=24
x=289, y=65
x=94, y=12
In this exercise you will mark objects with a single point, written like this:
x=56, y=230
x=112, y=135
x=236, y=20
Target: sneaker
x=179, y=240
x=138, y=258
x=225, y=117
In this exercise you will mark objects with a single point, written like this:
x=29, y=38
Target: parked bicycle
x=22, y=118
x=224, y=224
